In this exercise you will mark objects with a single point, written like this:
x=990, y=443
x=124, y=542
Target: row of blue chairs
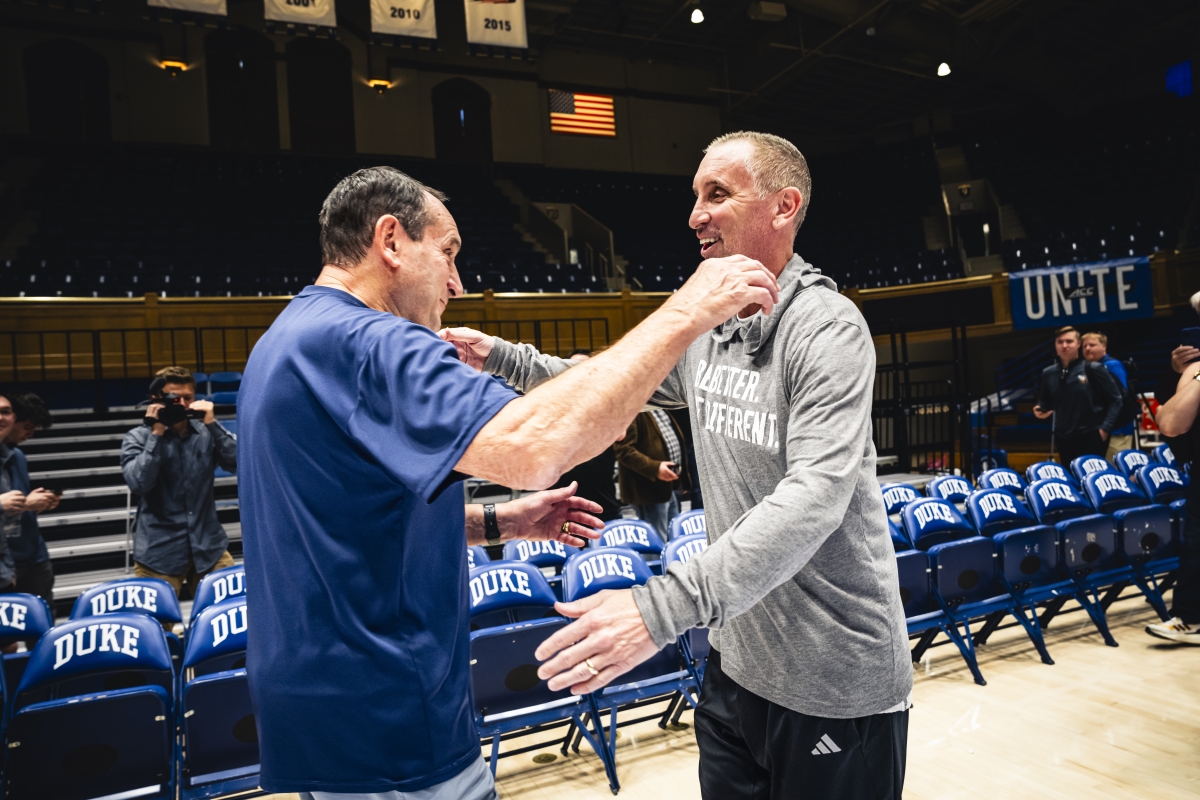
x=110, y=703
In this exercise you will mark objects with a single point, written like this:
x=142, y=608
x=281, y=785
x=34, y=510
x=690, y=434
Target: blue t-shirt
x=351, y=422
x=1118, y=371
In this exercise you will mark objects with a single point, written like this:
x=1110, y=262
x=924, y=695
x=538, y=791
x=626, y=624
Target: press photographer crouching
x=169, y=462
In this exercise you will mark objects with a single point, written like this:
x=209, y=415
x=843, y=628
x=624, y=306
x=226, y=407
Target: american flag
x=588, y=114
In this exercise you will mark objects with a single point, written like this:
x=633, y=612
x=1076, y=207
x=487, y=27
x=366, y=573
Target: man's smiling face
x=729, y=217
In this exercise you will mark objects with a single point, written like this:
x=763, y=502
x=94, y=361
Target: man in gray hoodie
x=807, y=691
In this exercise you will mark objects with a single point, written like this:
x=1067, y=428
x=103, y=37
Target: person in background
x=1083, y=398
x=12, y=499
x=1095, y=350
x=651, y=467
x=35, y=573
x=594, y=476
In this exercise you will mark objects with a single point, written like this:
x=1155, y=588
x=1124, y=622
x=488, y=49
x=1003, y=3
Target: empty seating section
x=1073, y=212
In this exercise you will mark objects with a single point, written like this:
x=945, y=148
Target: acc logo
x=1055, y=491
x=130, y=596
x=225, y=624
x=999, y=501
x=693, y=524
x=928, y=512
x=1051, y=471
x=500, y=579
x=527, y=550
x=1094, y=465
x=1161, y=475
x=1005, y=479
x=685, y=553
x=626, y=534
x=229, y=586
x=12, y=615
x=103, y=636
x=606, y=564
x=1112, y=483
x=899, y=494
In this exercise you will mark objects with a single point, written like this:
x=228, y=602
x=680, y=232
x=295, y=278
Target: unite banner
x=216, y=7
x=496, y=22
x=1081, y=294
x=404, y=18
x=301, y=12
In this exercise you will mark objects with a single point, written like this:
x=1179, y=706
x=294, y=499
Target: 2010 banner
x=404, y=18
x=1081, y=294
x=499, y=23
x=216, y=7
x=301, y=12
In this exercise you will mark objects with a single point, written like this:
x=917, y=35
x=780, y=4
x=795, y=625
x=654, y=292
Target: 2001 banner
x=301, y=12
x=496, y=22
x=1081, y=294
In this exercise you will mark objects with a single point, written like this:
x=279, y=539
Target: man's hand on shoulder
x=543, y=515
x=473, y=346
x=609, y=631
x=721, y=287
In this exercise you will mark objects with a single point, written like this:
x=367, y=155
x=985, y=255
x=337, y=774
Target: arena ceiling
x=858, y=67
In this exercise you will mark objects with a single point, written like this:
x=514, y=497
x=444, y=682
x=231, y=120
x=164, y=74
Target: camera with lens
x=173, y=409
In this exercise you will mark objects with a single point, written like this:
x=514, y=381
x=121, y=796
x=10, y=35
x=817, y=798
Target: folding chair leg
x=1149, y=586
x=1033, y=630
x=495, y=754
x=1051, y=610
x=1112, y=594
x=1168, y=581
x=989, y=626
x=1097, y=615
x=966, y=648
x=566, y=742
x=676, y=699
x=679, y=711
x=923, y=643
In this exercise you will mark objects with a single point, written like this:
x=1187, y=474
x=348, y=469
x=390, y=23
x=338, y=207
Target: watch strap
x=491, y=528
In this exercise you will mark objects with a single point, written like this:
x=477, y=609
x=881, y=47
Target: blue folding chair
x=1003, y=478
x=929, y=521
x=638, y=536
x=688, y=523
x=508, y=698
x=1044, y=470
x=151, y=596
x=900, y=542
x=664, y=676
x=518, y=584
x=1160, y=483
x=225, y=398
x=1164, y=455
x=23, y=618
x=219, y=586
x=1130, y=461
x=549, y=557
x=219, y=748
x=923, y=616
x=1087, y=465
x=225, y=381
x=694, y=643
x=477, y=556
x=896, y=496
x=1053, y=501
x=950, y=488
x=94, y=713
x=994, y=510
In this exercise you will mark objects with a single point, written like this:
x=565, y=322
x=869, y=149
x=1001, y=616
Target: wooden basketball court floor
x=1102, y=722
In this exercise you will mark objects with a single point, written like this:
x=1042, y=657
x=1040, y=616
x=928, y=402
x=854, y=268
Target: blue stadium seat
x=1053, y=501
x=928, y=521
x=506, y=592
x=151, y=596
x=923, y=614
x=225, y=398
x=1110, y=491
x=900, y=542
x=666, y=675
x=219, y=754
x=695, y=642
x=23, y=618
x=1043, y=470
x=896, y=496
x=94, y=713
x=224, y=381
x=508, y=697
x=477, y=556
x=687, y=523
x=949, y=487
x=219, y=586
x=1160, y=483
x=1003, y=478
x=549, y=557
x=1163, y=455
x=1129, y=461
x=995, y=510
x=1086, y=465
x=638, y=536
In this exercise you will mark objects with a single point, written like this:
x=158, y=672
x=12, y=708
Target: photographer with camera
x=35, y=574
x=169, y=461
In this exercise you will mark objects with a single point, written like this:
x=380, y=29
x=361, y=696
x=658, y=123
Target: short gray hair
x=775, y=165
x=349, y=213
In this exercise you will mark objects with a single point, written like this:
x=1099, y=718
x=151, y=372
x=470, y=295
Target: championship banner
x=496, y=22
x=301, y=12
x=404, y=18
x=1081, y=294
x=216, y=7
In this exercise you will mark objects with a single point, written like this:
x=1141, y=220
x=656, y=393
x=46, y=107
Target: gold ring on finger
x=566, y=528
x=587, y=662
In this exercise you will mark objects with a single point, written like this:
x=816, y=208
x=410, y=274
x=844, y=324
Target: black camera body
x=173, y=410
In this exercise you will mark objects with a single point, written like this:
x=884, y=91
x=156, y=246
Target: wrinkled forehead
x=727, y=164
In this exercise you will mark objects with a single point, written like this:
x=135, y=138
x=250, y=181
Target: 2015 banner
x=404, y=18
x=496, y=22
x=301, y=12
x=1081, y=294
x=216, y=7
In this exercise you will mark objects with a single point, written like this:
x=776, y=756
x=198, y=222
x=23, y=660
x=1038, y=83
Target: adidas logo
x=826, y=747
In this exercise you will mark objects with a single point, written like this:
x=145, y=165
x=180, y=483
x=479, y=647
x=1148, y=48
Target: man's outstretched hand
x=473, y=347
x=609, y=630
x=540, y=517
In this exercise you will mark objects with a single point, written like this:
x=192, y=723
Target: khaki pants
x=1116, y=444
x=191, y=578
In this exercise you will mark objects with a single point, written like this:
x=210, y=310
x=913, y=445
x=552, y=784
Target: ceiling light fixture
x=943, y=69
x=173, y=68
x=697, y=16
x=379, y=86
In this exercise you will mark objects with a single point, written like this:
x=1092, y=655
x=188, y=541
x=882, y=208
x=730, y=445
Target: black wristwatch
x=491, y=528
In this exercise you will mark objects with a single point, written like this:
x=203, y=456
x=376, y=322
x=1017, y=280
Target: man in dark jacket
x=1082, y=397
x=35, y=575
x=651, y=466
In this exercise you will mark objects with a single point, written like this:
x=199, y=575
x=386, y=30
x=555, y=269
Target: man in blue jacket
x=1095, y=350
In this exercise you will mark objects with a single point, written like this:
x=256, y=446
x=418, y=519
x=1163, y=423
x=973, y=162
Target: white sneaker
x=1176, y=630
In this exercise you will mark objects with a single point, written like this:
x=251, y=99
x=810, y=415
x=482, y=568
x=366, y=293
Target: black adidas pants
x=753, y=749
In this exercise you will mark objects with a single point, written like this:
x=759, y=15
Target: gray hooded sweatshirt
x=798, y=583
